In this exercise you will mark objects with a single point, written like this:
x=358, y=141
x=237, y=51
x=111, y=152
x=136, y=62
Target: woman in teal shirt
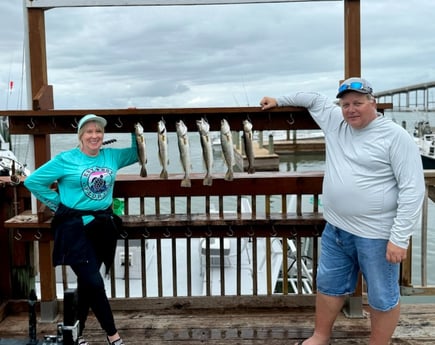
x=84, y=225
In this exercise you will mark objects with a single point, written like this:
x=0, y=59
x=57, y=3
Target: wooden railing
x=168, y=227
x=173, y=226
x=213, y=217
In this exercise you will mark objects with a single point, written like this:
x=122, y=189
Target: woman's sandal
x=116, y=342
x=82, y=341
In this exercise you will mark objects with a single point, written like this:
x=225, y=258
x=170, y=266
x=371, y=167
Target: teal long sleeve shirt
x=84, y=182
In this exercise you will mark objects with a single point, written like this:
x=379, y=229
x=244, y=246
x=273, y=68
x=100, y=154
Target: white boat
x=9, y=165
x=425, y=139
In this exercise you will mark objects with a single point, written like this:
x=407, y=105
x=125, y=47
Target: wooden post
x=352, y=39
x=352, y=68
x=42, y=100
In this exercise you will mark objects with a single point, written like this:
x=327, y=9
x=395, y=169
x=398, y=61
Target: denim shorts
x=343, y=255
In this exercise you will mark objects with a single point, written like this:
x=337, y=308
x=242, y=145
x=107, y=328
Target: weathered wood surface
x=243, y=326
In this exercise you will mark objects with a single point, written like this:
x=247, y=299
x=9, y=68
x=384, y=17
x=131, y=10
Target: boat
x=9, y=164
x=425, y=139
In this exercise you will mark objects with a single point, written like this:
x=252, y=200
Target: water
x=293, y=162
x=62, y=142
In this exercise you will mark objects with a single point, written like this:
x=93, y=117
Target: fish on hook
x=184, y=149
x=249, y=145
x=227, y=149
x=162, y=142
x=141, y=148
x=207, y=152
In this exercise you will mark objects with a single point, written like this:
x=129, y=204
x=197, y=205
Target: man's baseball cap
x=355, y=84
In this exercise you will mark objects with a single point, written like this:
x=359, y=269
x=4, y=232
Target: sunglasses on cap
x=356, y=85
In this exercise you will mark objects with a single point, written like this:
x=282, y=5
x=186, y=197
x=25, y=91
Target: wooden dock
x=230, y=327
x=282, y=147
x=267, y=157
x=264, y=160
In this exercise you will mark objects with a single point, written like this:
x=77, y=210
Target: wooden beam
x=352, y=39
x=37, y=50
x=101, y=3
x=123, y=120
x=44, y=98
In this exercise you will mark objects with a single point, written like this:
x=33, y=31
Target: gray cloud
x=218, y=55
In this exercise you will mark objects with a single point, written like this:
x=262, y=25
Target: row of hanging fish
x=206, y=146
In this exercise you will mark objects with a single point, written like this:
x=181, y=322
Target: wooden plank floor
x=272, y=327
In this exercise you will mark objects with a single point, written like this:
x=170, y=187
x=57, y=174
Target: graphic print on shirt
x=96, y=182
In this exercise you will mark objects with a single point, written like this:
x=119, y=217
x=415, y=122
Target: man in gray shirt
x=373, y=190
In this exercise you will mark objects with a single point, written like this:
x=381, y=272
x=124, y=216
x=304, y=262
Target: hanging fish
x=162, y=142
x=249, y=145
x=141, y=148
x=227, y=149
x=184, y=148
x=207, y=153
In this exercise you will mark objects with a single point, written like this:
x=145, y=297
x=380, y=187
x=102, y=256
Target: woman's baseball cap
x=91, y=117
x=355, y=84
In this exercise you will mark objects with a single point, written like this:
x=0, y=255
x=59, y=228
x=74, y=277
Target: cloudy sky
x=206, y=56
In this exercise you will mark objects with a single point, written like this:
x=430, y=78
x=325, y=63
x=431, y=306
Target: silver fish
x=184, y=148
x=207, y=153
x=162, y=142
x=227, y=149
x=248, y=142
x=141, y=148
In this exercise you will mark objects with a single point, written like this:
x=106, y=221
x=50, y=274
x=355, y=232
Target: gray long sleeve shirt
x=374, y=182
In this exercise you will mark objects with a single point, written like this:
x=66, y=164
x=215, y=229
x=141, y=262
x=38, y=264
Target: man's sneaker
x=82, y=341
x=116, y=342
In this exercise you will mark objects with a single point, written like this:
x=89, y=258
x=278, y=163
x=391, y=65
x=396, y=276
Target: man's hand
x=395, y=254
x=268, y=103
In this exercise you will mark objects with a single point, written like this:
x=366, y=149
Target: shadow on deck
x=216, y=327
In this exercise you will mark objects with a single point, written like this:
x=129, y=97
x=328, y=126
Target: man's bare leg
x=383, y=324
x=327, y=310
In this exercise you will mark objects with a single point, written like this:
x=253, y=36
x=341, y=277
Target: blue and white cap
x=91, y=117
x=355, y=84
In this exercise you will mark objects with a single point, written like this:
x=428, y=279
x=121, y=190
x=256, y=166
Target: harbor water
x=299, y=162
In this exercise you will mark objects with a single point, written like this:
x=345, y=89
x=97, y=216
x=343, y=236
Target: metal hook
x=119, y=123
x=294, y=232
x=18, y=235
x=292, y=120
x=31, y=125
x=38, y=235
x=145, y=233
x=273, y=233
x=53, y=122
x=167, y=233
x=75, y=124
x=251, y=232
x=15, y=180
x=124, y=234
x=208, y=233
x=188, y=232
x=230, y=231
